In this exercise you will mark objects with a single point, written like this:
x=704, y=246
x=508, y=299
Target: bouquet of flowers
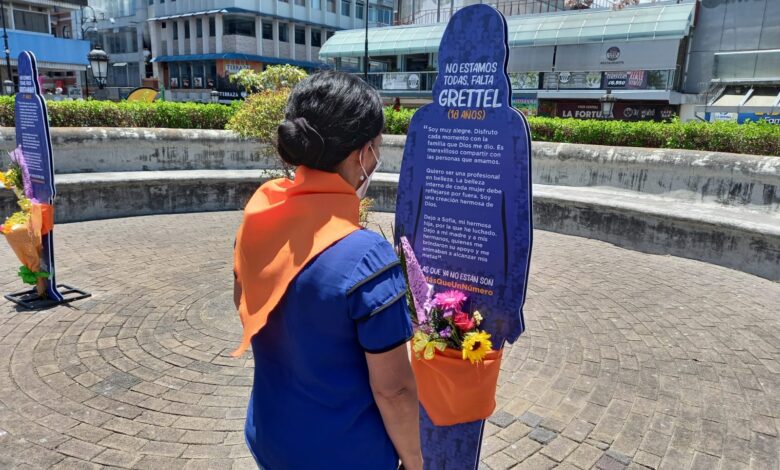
x=456, y=368
x=23, y=230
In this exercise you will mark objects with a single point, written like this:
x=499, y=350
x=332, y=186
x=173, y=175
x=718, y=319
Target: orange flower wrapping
x=25, y=239
x=455, y=391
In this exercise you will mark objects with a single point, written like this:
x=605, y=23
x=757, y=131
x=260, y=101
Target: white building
x=197, y=44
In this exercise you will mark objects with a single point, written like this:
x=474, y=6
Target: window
x=330, y=34
x=380, y=15
x=199, y=28
x=345, y=7
x=316, y=38
x=332, y=6
x=300, y=3
x=316, y=4
x=175, y=30
x=31, y=21
x=359, y=10
x=186, y=29
x=212, y=27
x=122, y=41
x=240, y=26
x=283, y=37
x=300, y=36
x=268, y=30
x=117, y=8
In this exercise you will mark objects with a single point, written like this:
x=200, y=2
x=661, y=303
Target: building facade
x=561, y=62
x=197, y=44
x=45, y=28
x=734, y=60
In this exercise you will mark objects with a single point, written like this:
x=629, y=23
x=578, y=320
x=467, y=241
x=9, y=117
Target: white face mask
x=362, y=190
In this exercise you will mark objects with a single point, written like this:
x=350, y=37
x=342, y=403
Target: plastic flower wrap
x=23, y=229
x=418, y=286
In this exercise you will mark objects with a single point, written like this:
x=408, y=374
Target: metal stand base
x=30, y=299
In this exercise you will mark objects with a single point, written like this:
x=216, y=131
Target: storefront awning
x=750, y=101
x=237, y=56
x=649, y=22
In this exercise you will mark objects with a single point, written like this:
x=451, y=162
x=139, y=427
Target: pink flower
x=450, y=300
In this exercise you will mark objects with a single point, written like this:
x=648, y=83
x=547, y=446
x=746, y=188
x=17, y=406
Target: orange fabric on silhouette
x=453, y=390
x=47, y=217
x=286, y=224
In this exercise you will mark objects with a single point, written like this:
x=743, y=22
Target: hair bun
x=299, y=143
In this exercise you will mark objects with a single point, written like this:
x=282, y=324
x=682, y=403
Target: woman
x=323, y=302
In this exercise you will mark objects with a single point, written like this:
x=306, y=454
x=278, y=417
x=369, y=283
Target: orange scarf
x=286, y=224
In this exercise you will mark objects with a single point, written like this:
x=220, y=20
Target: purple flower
x=17, y=157
x=448, y=313
x=446, y=333
x=417, y=282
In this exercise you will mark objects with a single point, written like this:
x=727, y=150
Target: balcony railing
x=405, y=83
x=507, y=7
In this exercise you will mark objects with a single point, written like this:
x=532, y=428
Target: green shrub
x=260, y=115
x=92, y=113
x=759, y=138
x=274, y=77
x=397, y=122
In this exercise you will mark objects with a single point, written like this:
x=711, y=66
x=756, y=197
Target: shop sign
x=524, y=80
x=741, y=118
x=400, y=81
x=230, y=69
x=572, y=80
x=619, y=56
x=623, y=111
x=527, y=105
x=633, y=80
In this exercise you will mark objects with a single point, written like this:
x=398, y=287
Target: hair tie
x=311, y=134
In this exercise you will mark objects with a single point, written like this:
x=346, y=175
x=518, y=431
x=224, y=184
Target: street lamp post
x=5, y=43
x=607, y=104
x=214, y=96
x=365, y=54
x=8, y=86
x=98, y=62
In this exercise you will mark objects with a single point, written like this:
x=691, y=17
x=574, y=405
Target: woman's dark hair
x=328, y=116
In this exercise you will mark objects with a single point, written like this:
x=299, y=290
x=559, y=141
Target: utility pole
x=365, y=53
x=5, y=43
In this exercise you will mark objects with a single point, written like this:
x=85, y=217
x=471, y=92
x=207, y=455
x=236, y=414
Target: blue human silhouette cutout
x=464, y=198
x=33, y=136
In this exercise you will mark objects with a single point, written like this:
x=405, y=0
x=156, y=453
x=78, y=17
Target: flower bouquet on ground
x=455, y=367
x=23, y=230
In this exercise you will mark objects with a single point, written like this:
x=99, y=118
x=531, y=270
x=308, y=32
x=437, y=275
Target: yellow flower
x=476, y=346
x=422, y=343
x=4, y=180
x=477, y=317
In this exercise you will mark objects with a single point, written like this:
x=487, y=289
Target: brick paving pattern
x=630, y=361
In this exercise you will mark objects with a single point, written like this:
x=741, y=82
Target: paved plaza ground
x=629, y=361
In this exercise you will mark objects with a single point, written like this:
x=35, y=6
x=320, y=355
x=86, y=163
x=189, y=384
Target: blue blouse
x=311, y=405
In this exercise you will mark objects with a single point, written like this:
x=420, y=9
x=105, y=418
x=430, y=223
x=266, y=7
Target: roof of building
x=648, y=22
x=238, y=56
